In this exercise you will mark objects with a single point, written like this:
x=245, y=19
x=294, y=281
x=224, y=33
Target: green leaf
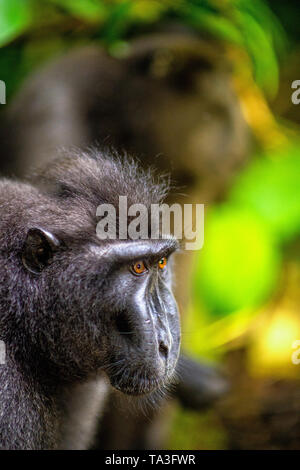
x=90, y=10
x=259, y=44
x=214, y=23
x=118, y=21
x=15, y=17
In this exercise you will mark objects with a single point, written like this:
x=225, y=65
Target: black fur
x=57, y=324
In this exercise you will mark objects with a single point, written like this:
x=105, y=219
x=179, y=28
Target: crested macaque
x=170, y=101
x=76, y=312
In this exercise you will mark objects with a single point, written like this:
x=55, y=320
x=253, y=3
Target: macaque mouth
x=140, y=388
x=139, y=383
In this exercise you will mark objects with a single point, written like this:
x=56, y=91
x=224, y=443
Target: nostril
x=163, y=349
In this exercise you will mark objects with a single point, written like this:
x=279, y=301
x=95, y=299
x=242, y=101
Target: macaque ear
x=38, y=249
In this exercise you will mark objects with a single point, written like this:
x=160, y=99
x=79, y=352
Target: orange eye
x=162, y=263
x=139, y=267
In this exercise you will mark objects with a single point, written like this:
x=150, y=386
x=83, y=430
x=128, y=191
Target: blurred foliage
x=245, y=240
x=244, y=236
x=250, y=25
x=270, y=188
x=239, y=263
x=192, y=430
x=15, y=18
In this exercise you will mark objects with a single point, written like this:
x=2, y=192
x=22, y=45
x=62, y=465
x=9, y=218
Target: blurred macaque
x=170, y=101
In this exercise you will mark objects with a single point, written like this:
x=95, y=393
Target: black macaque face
x=104, y=307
